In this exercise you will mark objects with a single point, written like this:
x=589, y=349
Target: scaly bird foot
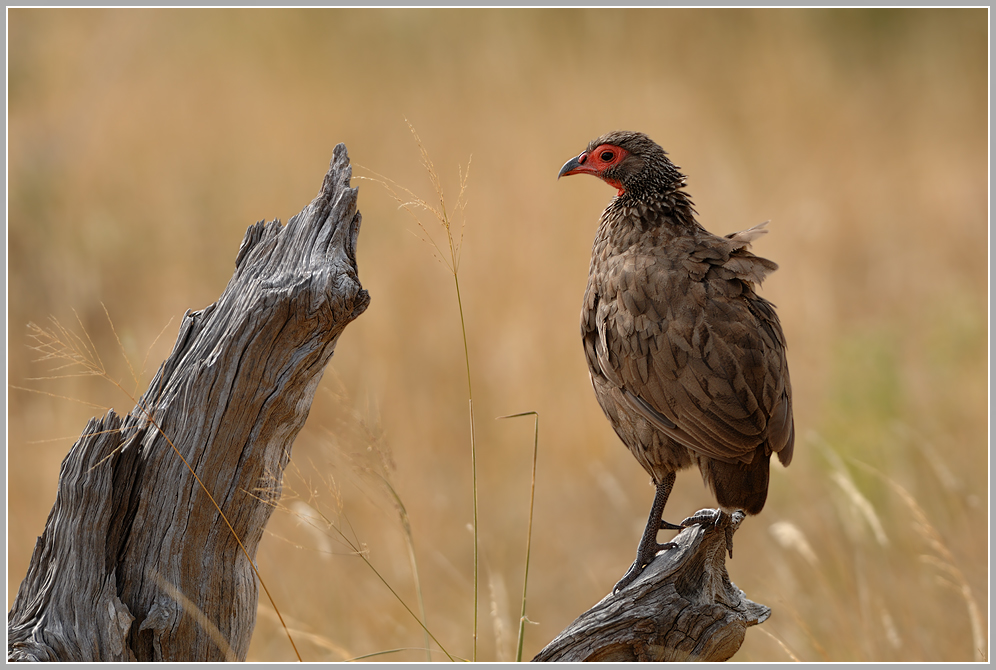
x=644, y=555
x=703, y=517
x=712, y=517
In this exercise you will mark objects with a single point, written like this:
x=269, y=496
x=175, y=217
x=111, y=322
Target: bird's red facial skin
x=598, y=161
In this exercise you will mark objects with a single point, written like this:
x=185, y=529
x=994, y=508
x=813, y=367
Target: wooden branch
x=135, y=562
x=683, y=607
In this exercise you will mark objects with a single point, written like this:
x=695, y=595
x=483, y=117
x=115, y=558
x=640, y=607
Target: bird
x=687, y=361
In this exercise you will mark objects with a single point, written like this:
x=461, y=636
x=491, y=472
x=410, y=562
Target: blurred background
x=143, y=143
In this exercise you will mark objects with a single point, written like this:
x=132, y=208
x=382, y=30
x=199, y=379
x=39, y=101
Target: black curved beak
x=572, y=166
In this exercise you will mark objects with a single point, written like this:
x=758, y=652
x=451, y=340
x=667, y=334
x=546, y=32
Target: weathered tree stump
x=683, y=607
x=135, y=562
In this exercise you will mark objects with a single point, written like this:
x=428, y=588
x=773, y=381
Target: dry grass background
x=142, y=143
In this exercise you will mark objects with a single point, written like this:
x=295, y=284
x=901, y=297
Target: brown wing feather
x=698, y=354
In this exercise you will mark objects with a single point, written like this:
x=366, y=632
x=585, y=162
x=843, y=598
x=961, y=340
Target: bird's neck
x=630, y=222
x=670, y=210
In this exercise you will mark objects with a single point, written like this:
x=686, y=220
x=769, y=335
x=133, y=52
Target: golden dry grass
x=142, y=143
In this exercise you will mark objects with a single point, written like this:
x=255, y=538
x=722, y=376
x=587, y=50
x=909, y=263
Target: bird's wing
x=703, y=364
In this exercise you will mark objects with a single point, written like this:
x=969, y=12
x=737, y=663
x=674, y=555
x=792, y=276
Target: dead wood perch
x=682, y=607
x=135, y=563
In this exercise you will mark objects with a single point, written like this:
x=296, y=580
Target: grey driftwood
x=135, y=563
x=682, y=607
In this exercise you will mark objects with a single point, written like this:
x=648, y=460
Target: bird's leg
x=648, y=543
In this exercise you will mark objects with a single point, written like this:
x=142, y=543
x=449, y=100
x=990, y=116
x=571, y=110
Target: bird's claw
x=704, y=517
x=712, y=517
x=642, y=561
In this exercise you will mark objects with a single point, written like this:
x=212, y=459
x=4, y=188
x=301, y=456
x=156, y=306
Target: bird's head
x=628, y=161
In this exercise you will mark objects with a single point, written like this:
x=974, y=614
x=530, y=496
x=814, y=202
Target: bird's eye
x=607, y=156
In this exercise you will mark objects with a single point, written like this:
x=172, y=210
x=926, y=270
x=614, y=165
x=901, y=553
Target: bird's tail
x=739, y=485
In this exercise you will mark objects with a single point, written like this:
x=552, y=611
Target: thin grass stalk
x=455, y=269
x=391, y=651
x=529, y=531
x=418, y=587
x=382, y=474
x=784, y=647
x=356, y=548
x=359, y=552
x=943, y=561
x=453, y=265
x=473, y=445
x=410, y=542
